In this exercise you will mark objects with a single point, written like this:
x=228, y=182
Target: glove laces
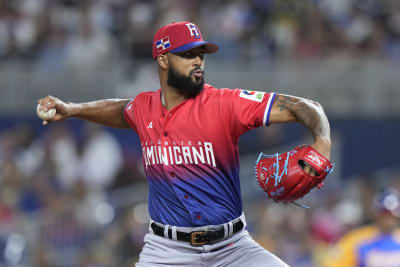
x=276, y=175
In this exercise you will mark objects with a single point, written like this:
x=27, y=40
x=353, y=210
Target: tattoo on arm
x=293, y=105
x=285, y=102
x=307, y=112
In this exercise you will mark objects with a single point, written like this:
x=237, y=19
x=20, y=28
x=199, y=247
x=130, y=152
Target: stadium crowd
x=55, y=33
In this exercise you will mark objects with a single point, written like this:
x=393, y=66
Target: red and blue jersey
x=190, y=153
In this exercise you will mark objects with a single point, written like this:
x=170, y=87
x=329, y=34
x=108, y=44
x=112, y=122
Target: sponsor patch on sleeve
x=252, y=95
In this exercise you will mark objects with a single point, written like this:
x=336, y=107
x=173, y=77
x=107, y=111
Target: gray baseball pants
x=235, y=251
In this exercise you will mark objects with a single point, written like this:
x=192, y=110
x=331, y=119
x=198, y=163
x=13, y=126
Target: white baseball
x=45, y=115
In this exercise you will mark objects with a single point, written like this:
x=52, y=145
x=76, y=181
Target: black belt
x=198, y=238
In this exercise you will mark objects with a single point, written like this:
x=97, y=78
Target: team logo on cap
x=163, y=44
x=194, y=31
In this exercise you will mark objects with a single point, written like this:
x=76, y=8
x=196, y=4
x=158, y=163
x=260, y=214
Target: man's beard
x=183, y=84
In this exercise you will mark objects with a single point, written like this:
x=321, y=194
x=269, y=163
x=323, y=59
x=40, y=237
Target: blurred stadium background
x=74, y=194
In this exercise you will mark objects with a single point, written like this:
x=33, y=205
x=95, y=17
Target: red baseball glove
x=283, y=178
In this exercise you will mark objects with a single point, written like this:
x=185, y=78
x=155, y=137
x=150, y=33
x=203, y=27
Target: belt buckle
x=197, y=240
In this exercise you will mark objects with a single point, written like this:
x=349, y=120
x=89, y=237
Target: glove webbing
x=276, y=176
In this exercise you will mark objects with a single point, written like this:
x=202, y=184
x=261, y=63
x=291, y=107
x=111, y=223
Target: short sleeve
x=129, y=114
x=246, y=109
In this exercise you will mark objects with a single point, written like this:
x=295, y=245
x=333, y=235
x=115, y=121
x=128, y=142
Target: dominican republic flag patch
x=163, y=44
x=252, y=95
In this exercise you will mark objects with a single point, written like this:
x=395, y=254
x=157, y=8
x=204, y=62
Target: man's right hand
x=63, y=110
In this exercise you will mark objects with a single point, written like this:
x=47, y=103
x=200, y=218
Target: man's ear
x=162, y=61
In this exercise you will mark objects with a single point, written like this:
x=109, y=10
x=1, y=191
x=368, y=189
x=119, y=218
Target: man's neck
x=170, y=98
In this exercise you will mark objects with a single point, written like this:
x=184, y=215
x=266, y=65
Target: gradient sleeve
x=129, y=114
x=246, y=109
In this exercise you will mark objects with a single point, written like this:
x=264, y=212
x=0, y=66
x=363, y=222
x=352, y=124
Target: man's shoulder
x=211, y=90
x=147, y=94
x=141, y=100
x=144, y=97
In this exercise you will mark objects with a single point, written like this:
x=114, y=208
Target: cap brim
x=210, y=47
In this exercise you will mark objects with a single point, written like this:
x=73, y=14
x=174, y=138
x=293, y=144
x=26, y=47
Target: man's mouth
x=198, y=73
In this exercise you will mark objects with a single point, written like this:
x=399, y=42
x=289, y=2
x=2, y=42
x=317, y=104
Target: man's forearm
x=108, y=112
x=307, y=112
x=311, y=115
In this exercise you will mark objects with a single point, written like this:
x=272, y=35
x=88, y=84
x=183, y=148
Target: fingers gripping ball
x=45, y=115
x=282, y=176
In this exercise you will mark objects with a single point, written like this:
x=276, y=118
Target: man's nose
x=198, y=61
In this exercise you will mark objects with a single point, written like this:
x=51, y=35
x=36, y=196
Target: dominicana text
x=168, y=153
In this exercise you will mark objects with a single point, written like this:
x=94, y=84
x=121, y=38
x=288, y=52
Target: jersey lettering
x=203, y=153
x=198, y=155
x=209, y=152
x=171, y=159
x=164, y=157
x=150, y=153
x=178, y=157
x=186, y=155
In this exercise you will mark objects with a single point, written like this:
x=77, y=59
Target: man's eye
x=190, y=54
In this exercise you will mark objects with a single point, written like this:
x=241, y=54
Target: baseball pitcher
x=189, y=133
